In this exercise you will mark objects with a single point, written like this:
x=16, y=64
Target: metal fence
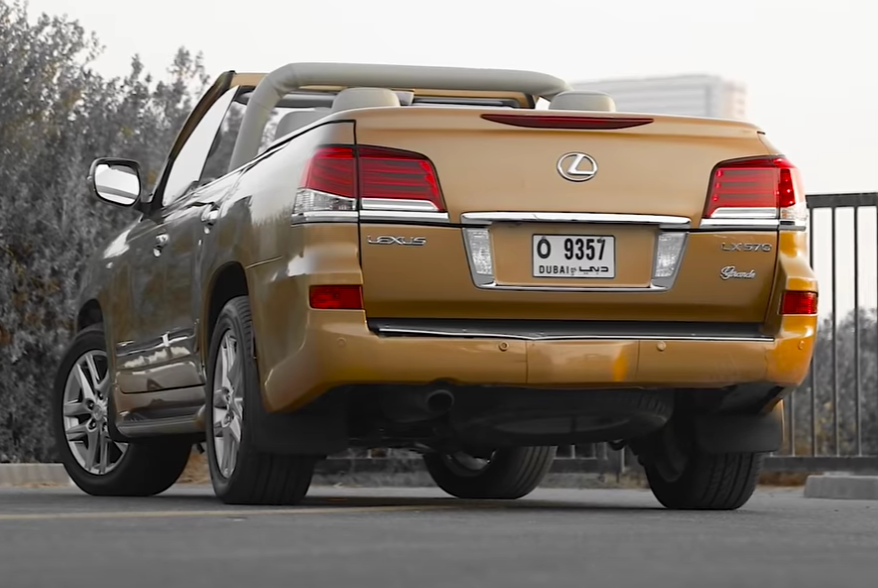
x=832, y=419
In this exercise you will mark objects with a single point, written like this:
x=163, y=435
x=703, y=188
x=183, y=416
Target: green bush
x=56, y=115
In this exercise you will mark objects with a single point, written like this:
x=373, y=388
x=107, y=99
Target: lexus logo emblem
x=577, y=167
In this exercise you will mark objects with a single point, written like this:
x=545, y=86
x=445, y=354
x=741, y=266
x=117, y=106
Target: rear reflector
x=337, y=176
x=756, y=188
x=338, y=296
x=799, y=303
x=554, y=121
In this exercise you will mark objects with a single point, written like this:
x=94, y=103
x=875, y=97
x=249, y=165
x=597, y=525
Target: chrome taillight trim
x=404, y=216
x=397, y=204
x=325, y=216
x=352, y=216
x=751, y=224
x=745, y=213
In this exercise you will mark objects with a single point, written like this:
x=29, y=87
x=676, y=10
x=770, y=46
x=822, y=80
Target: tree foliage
x=56, y=115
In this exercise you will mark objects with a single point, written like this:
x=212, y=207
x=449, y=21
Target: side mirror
x=116, y=181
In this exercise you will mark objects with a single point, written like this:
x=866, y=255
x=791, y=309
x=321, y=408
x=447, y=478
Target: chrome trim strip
x=485, y=218
x=129, y=348
x=738, y=223
x=178, y=425
x=407, y=216
x=584, y=337
x=752, y=224
x=352, y=216
x=749, y=213
x=325, y=216
x=404, y=205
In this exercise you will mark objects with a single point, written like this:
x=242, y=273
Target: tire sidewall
x=230, y=319
x=89, y=339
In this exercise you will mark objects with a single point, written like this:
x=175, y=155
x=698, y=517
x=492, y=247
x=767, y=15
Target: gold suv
x=478, y=265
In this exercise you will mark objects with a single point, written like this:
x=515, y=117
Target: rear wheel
x=509, y=473
x=82, y=407
x=239, y=472
x=683, y=477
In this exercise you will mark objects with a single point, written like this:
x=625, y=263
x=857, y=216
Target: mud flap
x=311, y=431
x=740, y=433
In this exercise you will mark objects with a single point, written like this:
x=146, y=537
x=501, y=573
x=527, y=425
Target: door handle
x=160, y=242
x=210, y=216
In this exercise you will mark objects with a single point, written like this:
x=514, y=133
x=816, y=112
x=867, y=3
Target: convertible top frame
x=278, y=85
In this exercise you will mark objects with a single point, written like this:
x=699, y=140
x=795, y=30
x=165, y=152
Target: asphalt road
x=420, y=538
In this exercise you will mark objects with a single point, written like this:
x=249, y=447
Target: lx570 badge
x=746, y=247
x=391, y=240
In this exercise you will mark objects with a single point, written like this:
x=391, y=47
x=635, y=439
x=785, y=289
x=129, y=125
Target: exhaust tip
x=440, y=401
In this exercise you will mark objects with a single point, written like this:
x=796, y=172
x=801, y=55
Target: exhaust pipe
x=411, y=407
x=439, y=401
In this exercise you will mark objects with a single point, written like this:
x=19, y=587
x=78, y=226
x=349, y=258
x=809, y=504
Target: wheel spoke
x=227, y=451
x=237, y=407
x=74, y=409
x=87, y=392
x=218, y=428
x=91, y=455
x=226, y=364
x=219, y=400
x=77, y=432
x=104, y=444
x=93, y=370
x=235, y=429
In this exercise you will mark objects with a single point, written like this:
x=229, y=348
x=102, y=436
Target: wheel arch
x=90, y=313
x=228, y=281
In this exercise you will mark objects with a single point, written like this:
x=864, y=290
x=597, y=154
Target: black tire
x=146, y=468
x=511, y=473
x=257, y=477
x=708, y=482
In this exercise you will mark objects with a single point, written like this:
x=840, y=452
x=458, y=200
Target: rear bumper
x=336, y=347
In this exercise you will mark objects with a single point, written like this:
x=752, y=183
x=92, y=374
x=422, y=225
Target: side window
x=220, y=155
x=224, y=144
x=190, y=163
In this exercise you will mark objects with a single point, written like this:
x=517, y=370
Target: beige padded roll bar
x=293, y=76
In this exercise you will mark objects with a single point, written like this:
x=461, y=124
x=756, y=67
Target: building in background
x=688, y=95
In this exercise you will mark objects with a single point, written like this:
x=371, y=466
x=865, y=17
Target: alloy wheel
x=228, y=405
x=86, y=415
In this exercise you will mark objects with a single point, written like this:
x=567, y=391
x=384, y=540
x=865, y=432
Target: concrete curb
x=842, y=487
x=28, y=474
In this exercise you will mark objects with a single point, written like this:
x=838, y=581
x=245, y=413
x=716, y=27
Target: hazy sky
x=810, y=66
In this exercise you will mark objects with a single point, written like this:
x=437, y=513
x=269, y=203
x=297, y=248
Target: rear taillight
x=347, y=178
x=795, y=302
x=337, y=297
x=573, y=122
x=755, y=188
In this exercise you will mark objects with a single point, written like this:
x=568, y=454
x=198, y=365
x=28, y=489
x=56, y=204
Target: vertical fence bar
x=792, y=410
x=813, y=372
x=835, y=435
x=857, y=329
